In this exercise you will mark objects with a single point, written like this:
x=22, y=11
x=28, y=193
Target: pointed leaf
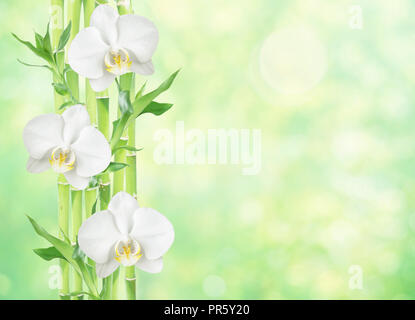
x=42, y=53
x=157, y=108
x=141, y=103
x=49, y=253
x=63, y=40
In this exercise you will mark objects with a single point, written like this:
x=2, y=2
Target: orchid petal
x=92, y=151
x=75, y=180
x=98, y=235
x=86, y=53
x=103, y=82
x=38, y=165
x=42, y=134
x=138, y=35
x=151, y=266
x=76, y=118
x=104, y=18
x=144, y=69
x=123, y=206
x=105, y=269
x=153, y=231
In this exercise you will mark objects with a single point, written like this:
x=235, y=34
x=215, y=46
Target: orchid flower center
x=62, y=159
x=127, y=252
x=118, y=61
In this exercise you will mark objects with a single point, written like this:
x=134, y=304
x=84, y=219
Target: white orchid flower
x=113, y=45
x=67, y=143
x=126, y=234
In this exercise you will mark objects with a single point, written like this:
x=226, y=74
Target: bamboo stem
x=118, y=185
x=131, y=188
x=102, y=101
x=127, y=83
x=63, y=205
x=74, y=15
x=76, y=196
x=57, y=26
x=91, y=103
x=90, y=199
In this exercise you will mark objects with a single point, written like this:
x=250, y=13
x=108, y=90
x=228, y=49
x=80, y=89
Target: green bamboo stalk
x=91, y=104
x=63, y=207
x=118, y=185
x=74, y=15
x=127, y=83
x=57, y=26
x=76, y=196
x=102, y=100
x=131, y=188
x=91, y=195
x=103, y=116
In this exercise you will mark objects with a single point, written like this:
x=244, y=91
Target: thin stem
x=76, y=224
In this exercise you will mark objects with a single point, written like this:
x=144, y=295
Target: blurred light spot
x=342, y=233
x=348, y=147
x=214, y=286
x=251, y=212
x=395, y=104
x=5, y=285
x=387, y=262
x=293, y=60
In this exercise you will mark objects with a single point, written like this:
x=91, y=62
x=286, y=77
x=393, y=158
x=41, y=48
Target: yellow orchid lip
x=128, y=252
x=62, y=160
x=118, y=61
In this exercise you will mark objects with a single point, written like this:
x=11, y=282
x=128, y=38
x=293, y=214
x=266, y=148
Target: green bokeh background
x=336, y=187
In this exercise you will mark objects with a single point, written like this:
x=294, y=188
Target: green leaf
x=42, y=53
x=141, y=91
x=157, y=108
x=64, y=248
x=65, y=237
x=125, y=103
x=61, y=88
x=77, y=252
x=118, y=129
x=66, y=104
x=116, y=166
x=39, y=41
x=129, y=148
x=49, y=253
x=141, y=103
x=63, y=40
x=94, y=207
x=114, y=127
x=36, y=65
x=67, y=251
x=46, y=41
